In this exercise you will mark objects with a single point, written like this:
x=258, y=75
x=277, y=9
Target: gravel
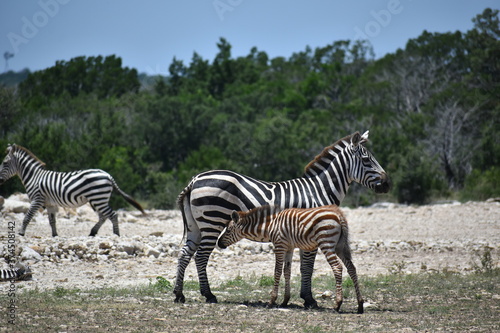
x=385, y=238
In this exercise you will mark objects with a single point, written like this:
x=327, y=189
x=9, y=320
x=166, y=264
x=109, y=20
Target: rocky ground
x=386, y=238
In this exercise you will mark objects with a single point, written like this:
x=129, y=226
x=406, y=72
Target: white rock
x=105, y=244
x=20, y=197
x=15, y=206
x=126, y=247
x=151, y=251
x=27, y=253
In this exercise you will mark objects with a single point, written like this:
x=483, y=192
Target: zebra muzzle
x=383, y=185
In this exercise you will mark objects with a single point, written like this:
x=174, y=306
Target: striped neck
x=331, y=170
x=25, y=163
x=330, y=155
x=254, y=223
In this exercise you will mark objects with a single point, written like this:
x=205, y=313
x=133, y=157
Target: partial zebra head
x=7, y=168
x=368, y=171
x=245, y=224
x=16, y=158
x=349, y=158
x=232, y=233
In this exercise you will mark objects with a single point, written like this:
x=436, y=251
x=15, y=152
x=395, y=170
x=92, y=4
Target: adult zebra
x=207, y=202
x=51, y=189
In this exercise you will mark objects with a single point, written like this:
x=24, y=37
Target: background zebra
x=207, y=202
x=19, y=273
x=51, y=189
x=323, y=227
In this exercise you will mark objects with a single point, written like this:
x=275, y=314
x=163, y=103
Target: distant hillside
x=11, y=78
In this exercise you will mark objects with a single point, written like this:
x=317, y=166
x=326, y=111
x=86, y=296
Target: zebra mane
x=13, y=148
x=337, y=146
x=262, y=212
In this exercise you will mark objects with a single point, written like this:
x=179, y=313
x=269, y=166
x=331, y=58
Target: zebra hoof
x=212, y=299
x=180, y=299
x=271, y=305
x=311, y=304
x=21, y=234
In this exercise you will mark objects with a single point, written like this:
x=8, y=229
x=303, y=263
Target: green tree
x=104, y=77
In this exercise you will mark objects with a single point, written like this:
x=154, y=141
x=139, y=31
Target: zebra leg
x=98, y=225
x=101, y=206
x=306, y=269
x=337, y=272
x=201, y=259
x=52, y=210
x=288, y=272
x=35, y=205
x=114, y=220
x=351, y=269
x=187, y=252
x=279, y=253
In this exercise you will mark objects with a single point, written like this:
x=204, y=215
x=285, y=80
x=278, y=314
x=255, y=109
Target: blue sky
x=148, y=34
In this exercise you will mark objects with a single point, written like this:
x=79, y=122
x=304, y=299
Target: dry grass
x=411, y=303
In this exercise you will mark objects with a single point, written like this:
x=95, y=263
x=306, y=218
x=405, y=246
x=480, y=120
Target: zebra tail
x=127, y=197
x=180, y=203
x=344, y=247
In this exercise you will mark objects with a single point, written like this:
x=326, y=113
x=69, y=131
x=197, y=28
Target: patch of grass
x=61, y=292
x=266, y=281
x=162, y=284
x=420, y=302
x=236, y=283
x=191, y=285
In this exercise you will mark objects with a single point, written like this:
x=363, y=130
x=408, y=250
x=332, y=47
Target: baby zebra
x=324, y=227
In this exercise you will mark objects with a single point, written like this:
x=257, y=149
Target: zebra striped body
x=308, y=229
x=207, y=202
x=19, y=273
x=52, y=189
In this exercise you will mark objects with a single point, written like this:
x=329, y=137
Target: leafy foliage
x=431, y=108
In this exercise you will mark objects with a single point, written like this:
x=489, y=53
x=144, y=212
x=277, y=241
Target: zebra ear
x=364, y=137
x=355, y=140
x=235, y=217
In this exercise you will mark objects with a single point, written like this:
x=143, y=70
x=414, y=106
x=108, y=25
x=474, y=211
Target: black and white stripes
x=19, y=273
x=52, y=189
x=308, y=229
x=209, y=199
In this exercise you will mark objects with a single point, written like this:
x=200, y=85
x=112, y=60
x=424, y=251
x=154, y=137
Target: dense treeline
x=432, y=109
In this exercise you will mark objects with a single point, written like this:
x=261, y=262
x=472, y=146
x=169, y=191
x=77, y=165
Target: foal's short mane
x=326, y=152
x=266, y=210
x=21, y=148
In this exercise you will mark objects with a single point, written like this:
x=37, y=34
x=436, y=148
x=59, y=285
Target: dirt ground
x=385, y=238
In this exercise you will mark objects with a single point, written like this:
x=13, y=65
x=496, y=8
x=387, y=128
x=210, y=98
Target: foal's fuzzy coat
x=324, y=227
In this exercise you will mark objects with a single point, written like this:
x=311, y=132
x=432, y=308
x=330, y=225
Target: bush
x=481, y=185
x=417, y=178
